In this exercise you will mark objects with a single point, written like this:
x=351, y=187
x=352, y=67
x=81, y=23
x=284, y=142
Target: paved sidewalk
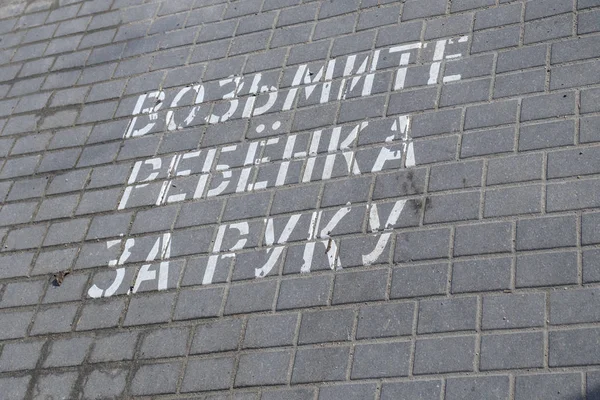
x=300, y=200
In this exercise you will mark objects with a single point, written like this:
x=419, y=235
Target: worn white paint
x=251, y=97
x=232, y=89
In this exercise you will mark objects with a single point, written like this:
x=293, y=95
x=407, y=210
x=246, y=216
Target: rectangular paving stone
x=591, y=271
x=326, y=326
x=15, y=323
x=292, y=394
x=274, y=372
x=149, y=309
x=400, y=33
x=22, y=293
x=17, y=213
x=352, y=250
x=546, y=233
x=498, y=16
x=511, y=351
x=546, y=269
x=465, y=92
x=105, y=383
x=573, y=75
x=355, y=190
x=420, y=280
x=162, y=343
x=546, y=385
x=304, y=198
x=589, y=235
x=560, y=165
x=481, y=275
x=550, y=28
x=196, y=269
x=330, y=9
x=361, y=109
x=491, y=387
x=270, y=331
x=416, y=9
x=98, y=315
x=154, y=220
x=67, y=352
x=493, y=114
x=114, y=347
x=29, y=237
x=250, y=297
x=56, y=319
x=21, y=356
x=547, y=106
x=55, y=385
x=353, y=43
x=589, y=100
x=24, y=166
x=463, y=5
x=592, y=384
x=109, y=175
x=574, y=307
x=15, y=387
x=200, y=303
x=509, y=311
x=389, y=359
x=104, y=226
x=51, y=261
x=526, y=57
x=30, y=144
x=435, y=123
x=304, y=292
x=437, y=207
x=586, y=4
x=482, y=239
x=587, y=133
x=447, y=315
x=552, y=134
x=360, y=286
x=248, y=206
x=66, y=232
x=573, y=347
x=472, y=67
x=208, y=374
x=413, y=389
x=546, y=8
x=402, y=183
x=455, y=176
x=590, y=266
x=71, y=289
x=510, y=169
x=495, y=39
x=571, y=195
x=296, y=15
x=153, y=379
x=451, y=354
x=385, y=320
x=324, y=364
x=410, y=101
x=448, y=26
x=348, y=391
x=98, y=201
x=219, y=336
x=524, y=200
x=59, y=160
x=520, y=83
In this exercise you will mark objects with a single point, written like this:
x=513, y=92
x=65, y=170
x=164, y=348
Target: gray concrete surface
x=295, y=199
